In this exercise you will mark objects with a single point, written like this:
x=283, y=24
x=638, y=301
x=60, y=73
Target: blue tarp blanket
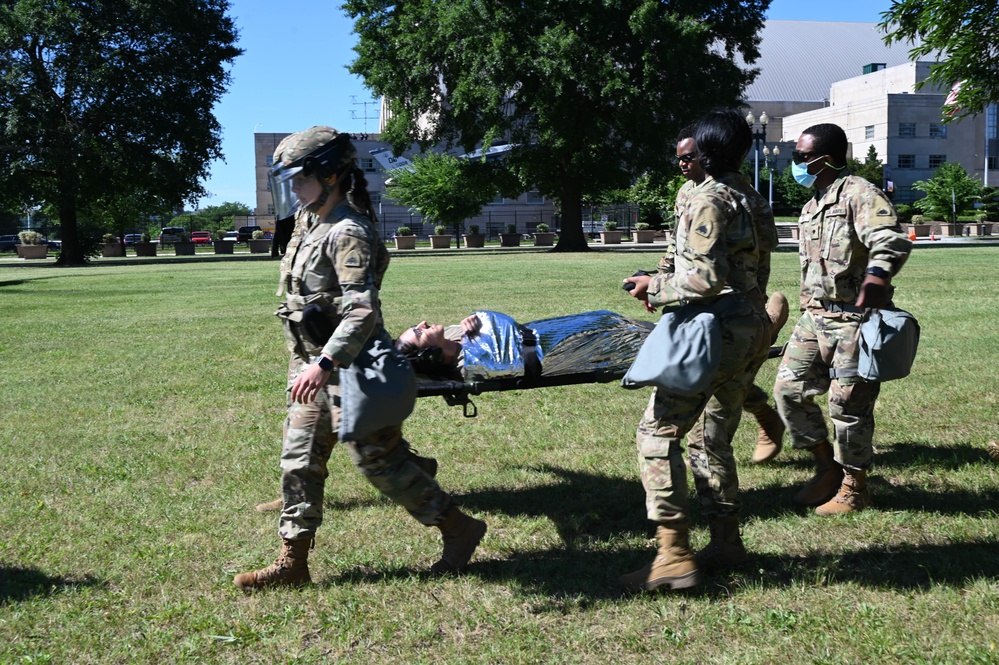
x=577, y=348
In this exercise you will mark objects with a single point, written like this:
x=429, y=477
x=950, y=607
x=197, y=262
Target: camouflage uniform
x=713, y=258
x=338, y=263
x=845, y=230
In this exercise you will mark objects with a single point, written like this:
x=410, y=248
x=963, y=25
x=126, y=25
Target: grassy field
x=141, y=421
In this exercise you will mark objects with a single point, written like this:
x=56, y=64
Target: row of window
x=909, y=161
x=907, y=130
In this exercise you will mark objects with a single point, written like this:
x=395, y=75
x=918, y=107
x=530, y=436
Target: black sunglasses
x=688, y=158
x=800, y=157
x=417, y=332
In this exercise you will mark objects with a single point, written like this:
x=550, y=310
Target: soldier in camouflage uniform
x=770, y=428
x=332, y=274
x=851, y=247
x=716, y=256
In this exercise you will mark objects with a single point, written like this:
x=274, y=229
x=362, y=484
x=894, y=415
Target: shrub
x=473, y=229
x=643, y=226
x=183, y=238
x=404, y=231
x=542, y=228
x=981, y=217
x=145, y=237
x=917, y=219
x=440, y=230
x=511, y=228
x=610, y=226
x=109, y=239
x=905, y=213
x=30, y=237
x=257, y=235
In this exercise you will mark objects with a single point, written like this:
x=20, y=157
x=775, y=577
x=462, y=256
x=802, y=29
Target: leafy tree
x=445, y=188
x=591, y=92
x=122, y=212
x=656, y=196
x=990, y=202
x=792, y=195
x=213, y=218
x=949, y=191
x=871, y=169
x=108, y=98
x=967, y=30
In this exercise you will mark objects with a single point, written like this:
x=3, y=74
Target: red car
x=201, y=237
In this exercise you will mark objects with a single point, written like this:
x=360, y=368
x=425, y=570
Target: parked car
x=9, y=243
x=231, y=235
x=132, y=238
x=246, y=232
x=171, y=234
x=201, y=237
x=53, y=244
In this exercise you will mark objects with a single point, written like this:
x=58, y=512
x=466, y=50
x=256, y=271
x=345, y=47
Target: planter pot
x=509, y=240
x=440, y=242
x=184, y=248
x=987, y=228
x=259, y=245
x=405, y=242
x=544, y=239
x=645, y=236
x=952, y=230
x=32, y=251
x=474, y=240
x=611, y=237
x=112, y=250
x=920, y=230
x=145, y=248
x=223, y=246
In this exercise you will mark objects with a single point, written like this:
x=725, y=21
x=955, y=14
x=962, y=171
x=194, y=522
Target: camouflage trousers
x=310, y=434
x=821, y=342
x=710, y=418
x=756, y=399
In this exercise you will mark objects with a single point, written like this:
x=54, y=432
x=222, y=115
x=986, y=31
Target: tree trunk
x=570, y=237
x=72, y=252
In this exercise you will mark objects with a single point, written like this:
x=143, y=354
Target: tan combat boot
x=777, y=310
x=852, y=495
x=725, y=549
x=825, y=482
x=427, y=464
x=462, y=535
x=770, y=434
x=290, y=568
x=993, y=449
x=674, y=566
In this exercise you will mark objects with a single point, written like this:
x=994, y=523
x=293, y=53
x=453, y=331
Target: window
x=906, y=161
x=993, y=163
x=869, y=132
x=269, y=160
x=497, y=201
x=907, y=130
x=270, y=208
x=903, y=194
x=938, y=131
x=936, y=161
x=376, y=198
x=367, y=165
x=534, y=197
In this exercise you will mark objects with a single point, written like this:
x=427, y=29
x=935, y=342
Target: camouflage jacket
x=846, y=229
x=715, y=248
x=337, y=263
x=666, y=263
x=763, y=218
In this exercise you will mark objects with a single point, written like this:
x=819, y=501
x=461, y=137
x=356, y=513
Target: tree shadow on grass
x=909, y=454
x=19, y=584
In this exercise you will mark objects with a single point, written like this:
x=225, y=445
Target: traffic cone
x=912, y=235
x=932, y=236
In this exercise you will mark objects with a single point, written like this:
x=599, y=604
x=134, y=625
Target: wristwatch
x=325, y=363
x=878, y=272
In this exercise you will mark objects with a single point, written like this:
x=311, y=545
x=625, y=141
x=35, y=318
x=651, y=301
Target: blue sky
x=293, y=75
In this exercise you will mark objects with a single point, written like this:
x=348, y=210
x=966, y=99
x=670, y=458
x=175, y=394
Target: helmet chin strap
x=317, y=205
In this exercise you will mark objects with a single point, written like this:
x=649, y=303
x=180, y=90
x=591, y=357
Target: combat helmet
x=319, y=151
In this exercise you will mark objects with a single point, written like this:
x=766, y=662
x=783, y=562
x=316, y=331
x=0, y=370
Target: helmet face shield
x=285, y=201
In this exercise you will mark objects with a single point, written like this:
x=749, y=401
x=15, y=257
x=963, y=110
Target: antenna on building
x=365, y=116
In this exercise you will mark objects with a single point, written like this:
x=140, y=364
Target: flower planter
x=920, y=230
x=951, y=230
x=145, y=248
x=544, y=239
x=112, y=250
x=32, y=251
x=440, y=242
x=223, y=246
x=184, y=248
x=405, y=242
x=259, y=245
x=645, y=236
x=509, y=240
x=611, y=237
x=474, y=240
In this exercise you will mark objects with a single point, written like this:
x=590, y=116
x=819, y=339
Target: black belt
x=840, y=306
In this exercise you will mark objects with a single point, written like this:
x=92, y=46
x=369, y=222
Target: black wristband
x=879, y=272
x=325, y=363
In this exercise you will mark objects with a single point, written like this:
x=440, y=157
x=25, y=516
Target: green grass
x=142, y=410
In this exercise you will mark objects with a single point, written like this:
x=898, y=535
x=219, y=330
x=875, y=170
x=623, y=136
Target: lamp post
x=770, y=168
x=758, y=138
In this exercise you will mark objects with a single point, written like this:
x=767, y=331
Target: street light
x=758, y=138
x=770, y=168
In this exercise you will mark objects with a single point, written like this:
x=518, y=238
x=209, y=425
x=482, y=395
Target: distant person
x=283, y=229
x=851, y=247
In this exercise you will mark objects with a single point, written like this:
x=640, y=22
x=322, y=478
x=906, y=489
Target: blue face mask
x=801, y=174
